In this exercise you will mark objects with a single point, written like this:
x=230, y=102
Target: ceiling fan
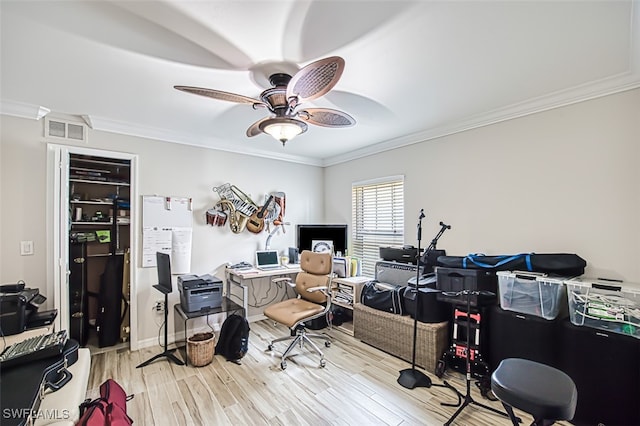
x=283, y=99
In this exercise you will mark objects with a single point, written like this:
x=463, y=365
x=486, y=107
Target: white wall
x=164, y=169
x=565, y=180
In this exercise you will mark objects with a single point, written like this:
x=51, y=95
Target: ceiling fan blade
x=220, y=95
x=315, y=79
x=254, y=129
x=327, y=117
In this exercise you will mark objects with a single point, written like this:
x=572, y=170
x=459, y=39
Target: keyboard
x=34, y=348
x=269, y=267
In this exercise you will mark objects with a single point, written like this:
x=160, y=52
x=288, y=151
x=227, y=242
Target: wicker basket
x=200, y=349
x=393, y=334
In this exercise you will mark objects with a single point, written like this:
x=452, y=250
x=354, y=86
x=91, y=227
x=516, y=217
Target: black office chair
x=546, y=393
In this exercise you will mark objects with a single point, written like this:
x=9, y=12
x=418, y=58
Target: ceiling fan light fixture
x=283, y=129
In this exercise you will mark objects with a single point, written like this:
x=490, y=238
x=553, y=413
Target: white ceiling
x=414, y=69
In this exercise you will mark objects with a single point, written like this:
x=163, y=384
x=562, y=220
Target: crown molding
x=593, y=90
x=23, y=110
x=582, y=93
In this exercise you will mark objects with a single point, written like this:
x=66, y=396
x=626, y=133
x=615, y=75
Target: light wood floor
x=357, y=387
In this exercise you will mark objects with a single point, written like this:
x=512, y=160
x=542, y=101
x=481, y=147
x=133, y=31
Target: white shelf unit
x=350, y=289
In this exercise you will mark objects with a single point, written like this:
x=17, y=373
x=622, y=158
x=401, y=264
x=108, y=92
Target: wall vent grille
x=61, y=129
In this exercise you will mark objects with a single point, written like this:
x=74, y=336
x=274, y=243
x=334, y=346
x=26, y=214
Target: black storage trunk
x=606, y=370
x=430, y=309
x=518, y=335
x=457, y=279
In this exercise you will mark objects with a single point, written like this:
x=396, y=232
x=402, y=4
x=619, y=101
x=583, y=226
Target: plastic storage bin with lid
x=610, y=305
x=532, y=293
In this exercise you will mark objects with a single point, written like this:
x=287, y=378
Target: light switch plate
x=26, y=248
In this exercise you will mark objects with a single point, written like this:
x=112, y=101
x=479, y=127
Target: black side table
x=181, y=321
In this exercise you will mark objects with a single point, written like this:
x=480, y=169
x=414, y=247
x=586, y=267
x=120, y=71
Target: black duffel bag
x=383, y=297
x=565, y=264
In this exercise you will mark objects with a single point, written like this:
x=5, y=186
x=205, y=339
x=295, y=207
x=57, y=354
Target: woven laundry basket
x=393, y=334
x=200, y=348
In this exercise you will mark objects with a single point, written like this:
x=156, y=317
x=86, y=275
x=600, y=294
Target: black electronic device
x=32, y=349
x=293, y=255
x=42, y=318
x=163, y=264
x=199, y=292
x=518, y=335
x=12, y=288
x=322, y=238
x=605, y=368
x=404, y=254
x=17, y=307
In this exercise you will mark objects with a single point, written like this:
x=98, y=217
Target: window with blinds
x=378, y=219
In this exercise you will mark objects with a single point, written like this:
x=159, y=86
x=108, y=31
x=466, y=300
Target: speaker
x=293, y=255
x=516, y=335
x=606, y=370
x=395, y=273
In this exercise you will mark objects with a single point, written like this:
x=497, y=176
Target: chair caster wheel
x=323, y=363
x=283, y=365
x=270, y=347
x=327, y=344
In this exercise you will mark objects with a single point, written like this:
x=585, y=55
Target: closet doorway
x=94, y=215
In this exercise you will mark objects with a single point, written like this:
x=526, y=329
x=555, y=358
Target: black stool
x=545, y=392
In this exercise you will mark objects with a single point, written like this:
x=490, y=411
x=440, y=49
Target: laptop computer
x=267, y=259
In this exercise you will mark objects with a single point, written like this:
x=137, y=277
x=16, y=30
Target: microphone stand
x=411, y=378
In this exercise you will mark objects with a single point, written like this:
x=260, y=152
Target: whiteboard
x=167, y=224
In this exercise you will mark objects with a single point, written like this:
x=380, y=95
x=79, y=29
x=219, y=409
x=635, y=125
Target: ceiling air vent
x=61, y=129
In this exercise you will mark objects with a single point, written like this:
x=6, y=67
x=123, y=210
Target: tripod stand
x=467, y=399
x=411, y=378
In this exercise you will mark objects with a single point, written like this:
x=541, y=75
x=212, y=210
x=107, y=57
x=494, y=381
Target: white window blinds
x=378, y=219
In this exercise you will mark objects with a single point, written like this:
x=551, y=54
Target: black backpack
x=233, y=342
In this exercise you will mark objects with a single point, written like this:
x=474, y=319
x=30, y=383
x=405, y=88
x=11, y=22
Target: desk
x=253, y=289
x=181, y=321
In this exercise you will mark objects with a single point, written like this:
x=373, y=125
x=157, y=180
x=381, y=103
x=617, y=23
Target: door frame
x=58, y=228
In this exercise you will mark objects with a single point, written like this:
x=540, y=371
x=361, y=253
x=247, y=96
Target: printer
x=19, y=309
x=199, y=292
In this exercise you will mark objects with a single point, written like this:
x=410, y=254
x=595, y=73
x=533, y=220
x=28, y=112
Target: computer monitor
x=163, y=263
x=322, y=238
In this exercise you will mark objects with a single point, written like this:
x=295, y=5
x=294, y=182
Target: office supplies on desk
x=267, y=259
